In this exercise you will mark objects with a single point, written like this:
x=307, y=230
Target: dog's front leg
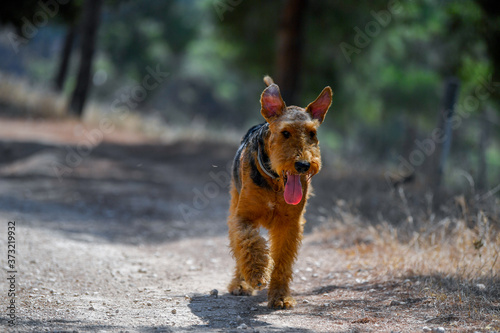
x=286, y=237
x=253, y=263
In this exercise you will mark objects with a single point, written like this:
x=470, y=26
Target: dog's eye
x=312, y=134
x=286, y=134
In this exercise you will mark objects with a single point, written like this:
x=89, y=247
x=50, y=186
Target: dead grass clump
x=24, y=99
x=452, y=263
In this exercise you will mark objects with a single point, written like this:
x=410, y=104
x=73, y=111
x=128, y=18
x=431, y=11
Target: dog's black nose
x=302, y=166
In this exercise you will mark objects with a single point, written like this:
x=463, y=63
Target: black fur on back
x=251, y=142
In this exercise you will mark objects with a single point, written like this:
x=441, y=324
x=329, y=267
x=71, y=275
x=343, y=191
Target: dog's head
x=292, y=145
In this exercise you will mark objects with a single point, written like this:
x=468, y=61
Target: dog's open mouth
x=293, y=187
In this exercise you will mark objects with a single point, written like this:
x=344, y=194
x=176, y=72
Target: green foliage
x=137, y=34
x=218, y=51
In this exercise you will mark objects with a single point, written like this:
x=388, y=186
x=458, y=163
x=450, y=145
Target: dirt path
x=132, y=238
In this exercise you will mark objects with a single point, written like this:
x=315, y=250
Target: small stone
x=242, y=327
x=305, y=301
x=91, y=308
x=480, y=286
x=253, y=309
x=149, y=304
x=438, y=330
x=214, y=292
x=174, y=311
x=186, y=297
x=426, y=329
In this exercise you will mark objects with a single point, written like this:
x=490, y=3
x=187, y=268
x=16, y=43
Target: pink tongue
x=293, y=190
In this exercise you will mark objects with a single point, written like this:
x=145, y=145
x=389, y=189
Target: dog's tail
x=268, y=81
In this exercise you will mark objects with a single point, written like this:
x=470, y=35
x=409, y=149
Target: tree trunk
x=444, y=125
x=411, y=133
x=89, y=27
x=484, y=138
x=289, y=53
x=65, y=58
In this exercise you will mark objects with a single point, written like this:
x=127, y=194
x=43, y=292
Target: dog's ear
x=321, y=104
x=272, y=104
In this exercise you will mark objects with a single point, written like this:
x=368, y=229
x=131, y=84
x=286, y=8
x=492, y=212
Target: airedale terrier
x=270, y=185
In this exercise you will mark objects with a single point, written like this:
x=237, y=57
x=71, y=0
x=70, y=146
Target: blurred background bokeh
x=119, y=120
x=416, y=83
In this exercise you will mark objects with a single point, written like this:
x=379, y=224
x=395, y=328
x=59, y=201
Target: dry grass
x=155, y=126
x=450, y=267
x=20, y=99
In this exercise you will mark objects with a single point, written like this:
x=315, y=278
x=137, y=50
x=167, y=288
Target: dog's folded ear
x=272, y=104
x=321, y=104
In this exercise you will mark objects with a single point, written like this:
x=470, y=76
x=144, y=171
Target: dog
x=270, y=185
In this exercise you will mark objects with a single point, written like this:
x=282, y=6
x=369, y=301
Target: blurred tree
x=489, y=27
x=89, y=26
x=141, y=34
x=257, y=30
x=289, y=50
x=442, y=148
x=65, y=57
x=70, y=19
x=468, y=44
x=484, y=140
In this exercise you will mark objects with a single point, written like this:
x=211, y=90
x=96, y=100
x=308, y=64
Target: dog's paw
x=258, y=272
x=240, y=288
x=284, y=302
x=258, y=279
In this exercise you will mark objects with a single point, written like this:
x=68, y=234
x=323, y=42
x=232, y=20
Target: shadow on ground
x=60, y=325
x=242, y=311
x=133, y=194
x=120, y=193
